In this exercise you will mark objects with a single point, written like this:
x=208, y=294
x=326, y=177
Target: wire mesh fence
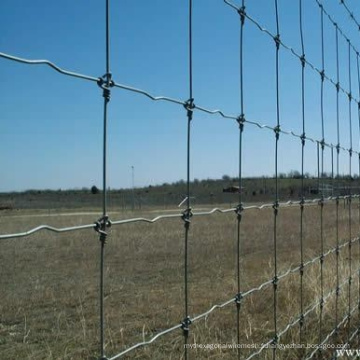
x=327, y=311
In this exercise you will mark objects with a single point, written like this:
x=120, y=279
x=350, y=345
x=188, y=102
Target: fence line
x=104, y=223
x=178, y=102
x=97, y=225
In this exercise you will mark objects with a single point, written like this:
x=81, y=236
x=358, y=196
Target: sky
x=51, y=124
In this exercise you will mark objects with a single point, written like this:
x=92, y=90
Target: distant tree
x=294, y=174
x=94, y=190
x=226, y=178
x=297, y=175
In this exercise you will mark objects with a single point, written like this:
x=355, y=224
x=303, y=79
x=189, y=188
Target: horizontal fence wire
x=106, y=82
x=176, y=101
x=291, y=324
x=252, y=291
x=331, y=333
x=295, y=53
x=95, y=225
x=351, y=13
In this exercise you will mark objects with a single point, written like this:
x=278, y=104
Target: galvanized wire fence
x=344, y=242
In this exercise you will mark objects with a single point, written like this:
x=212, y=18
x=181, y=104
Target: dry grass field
x=49, y=283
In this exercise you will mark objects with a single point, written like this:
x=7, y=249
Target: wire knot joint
x=303, y=139
x=302, y=203
x=277, y=41
x=303, y=60
x=337, y=251
x=276, y=207
x=242, y=14
x=100, y=227
x=185, y=324
x=301, y=320
x=301, y=269
x=277, y=130
x=322, y=75
x=239, y=209
x=189, y=106
x=337, y=86
x=275, y=281
x=241, y=120
x=186, y=216
x=275, y=340
x=106, y=83
x=238, y=299
x=322, y=144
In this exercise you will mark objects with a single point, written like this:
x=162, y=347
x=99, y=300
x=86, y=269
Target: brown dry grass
x=49, y=284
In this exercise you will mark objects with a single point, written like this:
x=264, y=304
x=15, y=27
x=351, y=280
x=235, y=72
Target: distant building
x=323, y=189
x=232, y=189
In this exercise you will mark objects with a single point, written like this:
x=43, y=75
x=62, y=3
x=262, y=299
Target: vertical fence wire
x=105, y=84
x=358, y=83
x=276, y=200
x=320, y=204
x=337, y=253
x=239, y=208
x=321, y=176
x=187, y=214
x=350, y=192
x=303, y=139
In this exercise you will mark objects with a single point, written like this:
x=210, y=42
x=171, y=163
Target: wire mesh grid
x=344, y=242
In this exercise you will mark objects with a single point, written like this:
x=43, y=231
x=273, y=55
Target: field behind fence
x=246, y=279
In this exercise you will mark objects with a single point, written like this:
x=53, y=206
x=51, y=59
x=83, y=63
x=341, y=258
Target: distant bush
x=94, y=190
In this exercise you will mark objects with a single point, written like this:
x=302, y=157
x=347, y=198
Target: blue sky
x=51, y=125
